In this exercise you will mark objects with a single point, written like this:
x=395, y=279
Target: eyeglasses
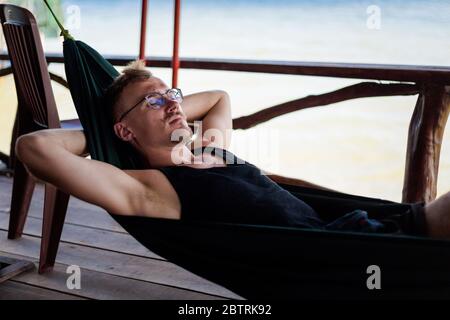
x=156, y=100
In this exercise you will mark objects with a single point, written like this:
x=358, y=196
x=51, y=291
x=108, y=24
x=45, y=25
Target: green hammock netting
x=257, y=261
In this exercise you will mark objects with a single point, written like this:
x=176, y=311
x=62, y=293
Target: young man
x=181, y=183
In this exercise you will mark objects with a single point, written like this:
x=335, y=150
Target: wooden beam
x=59, y=79
x=12, y=267
x=5, y=71
x=54, y=77
x=425, y=135
x=404, y=73
x=360, y=90
x=296, y=182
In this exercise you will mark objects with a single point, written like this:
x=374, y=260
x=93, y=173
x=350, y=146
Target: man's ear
x=123, y=132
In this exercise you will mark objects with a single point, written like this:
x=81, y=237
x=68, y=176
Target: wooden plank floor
x=113, y=264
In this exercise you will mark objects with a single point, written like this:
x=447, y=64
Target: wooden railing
x=426, y=129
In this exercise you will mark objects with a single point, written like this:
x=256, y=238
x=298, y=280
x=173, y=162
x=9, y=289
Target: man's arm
x=57, y=156
x=213, y=108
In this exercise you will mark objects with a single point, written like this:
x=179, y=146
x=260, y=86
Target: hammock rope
x=64, y=32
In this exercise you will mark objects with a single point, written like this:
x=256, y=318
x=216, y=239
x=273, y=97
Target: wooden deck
x=113, y=264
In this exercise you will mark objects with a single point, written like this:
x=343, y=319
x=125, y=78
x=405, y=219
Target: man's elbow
x=20, y=148
x=226, y=106
x=223, y=94
x=28, y=145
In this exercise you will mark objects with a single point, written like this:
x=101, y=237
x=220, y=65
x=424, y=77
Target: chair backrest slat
x=20, y=60
x=33, y=86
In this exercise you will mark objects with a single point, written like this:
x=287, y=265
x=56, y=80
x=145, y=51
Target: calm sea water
x=408, y=32
x=357, y=146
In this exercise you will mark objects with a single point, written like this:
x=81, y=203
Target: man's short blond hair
x=134, y=71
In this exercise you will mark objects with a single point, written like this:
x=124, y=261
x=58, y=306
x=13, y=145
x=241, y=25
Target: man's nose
x=171, y=106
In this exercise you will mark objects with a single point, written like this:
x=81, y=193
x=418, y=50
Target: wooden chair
x=36, y=111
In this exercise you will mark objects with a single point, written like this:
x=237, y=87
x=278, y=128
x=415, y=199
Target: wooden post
x=176, y=42
x=143, y=30
x=425, y=135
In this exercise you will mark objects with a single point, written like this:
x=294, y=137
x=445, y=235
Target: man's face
x=149, y=127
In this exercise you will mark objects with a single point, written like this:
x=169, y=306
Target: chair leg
x=55, y=208
x=23, y=187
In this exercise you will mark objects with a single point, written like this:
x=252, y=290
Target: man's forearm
x=36, y=150
x=213, y=108
x=73, y=141
x=197, y=106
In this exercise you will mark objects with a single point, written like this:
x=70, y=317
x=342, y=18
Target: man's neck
x=168, y=156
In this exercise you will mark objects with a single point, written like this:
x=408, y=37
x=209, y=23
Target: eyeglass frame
x=144, y=98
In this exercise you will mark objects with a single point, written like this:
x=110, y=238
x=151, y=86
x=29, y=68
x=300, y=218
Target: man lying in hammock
x=185, y=183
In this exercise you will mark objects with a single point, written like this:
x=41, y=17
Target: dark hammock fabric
x=257, y=261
